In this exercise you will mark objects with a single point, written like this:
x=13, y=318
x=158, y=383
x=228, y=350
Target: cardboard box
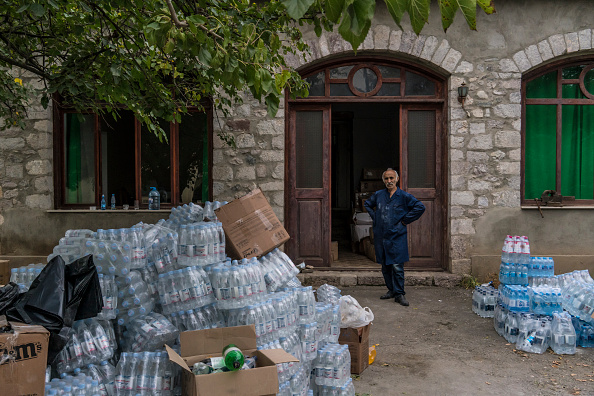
x=24, y=372
x=372, y=173
x=359, y=232
x=198, y=345
x=251, y=227
x=371, y=186
x=358, y=343
x=4, y=272
x=334, y=250
x=369, y=249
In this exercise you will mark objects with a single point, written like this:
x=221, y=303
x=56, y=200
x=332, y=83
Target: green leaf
x=266, y=80
x=37, y=9
x=196, y=19
x=317, y=27
x=248, y=31
x=272, y=102
x=297, y=8
x=397, y=9
x=334, y=9
x=281, y=79
x=169, y=46
x=204, y=55
x=419, y=14
x=487, y=6
x=448, y=10
x=24, y=7
x=115, y=70
x=357, y=21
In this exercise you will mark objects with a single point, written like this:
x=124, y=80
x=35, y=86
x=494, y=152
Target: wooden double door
x=308, y=180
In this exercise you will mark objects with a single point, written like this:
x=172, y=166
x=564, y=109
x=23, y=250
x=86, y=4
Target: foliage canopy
x=159, y=57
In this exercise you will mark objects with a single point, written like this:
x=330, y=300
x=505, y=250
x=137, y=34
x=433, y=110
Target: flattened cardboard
x=24, y=373
x=251, y=227
x=262, y=380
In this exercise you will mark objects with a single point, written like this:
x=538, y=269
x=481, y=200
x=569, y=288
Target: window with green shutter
x=558, y=142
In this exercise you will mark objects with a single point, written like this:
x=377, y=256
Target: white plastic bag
x=352, y=314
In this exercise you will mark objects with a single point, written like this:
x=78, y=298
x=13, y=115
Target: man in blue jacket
x=391, y=209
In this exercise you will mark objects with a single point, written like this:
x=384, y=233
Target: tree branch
x=24, y=66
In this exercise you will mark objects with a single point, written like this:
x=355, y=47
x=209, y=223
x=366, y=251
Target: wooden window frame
x=60, y=167
x=372, y=62
x=558, y=101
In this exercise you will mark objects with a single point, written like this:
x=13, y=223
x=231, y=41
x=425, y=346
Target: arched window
x=371, y=79
x=558, y=141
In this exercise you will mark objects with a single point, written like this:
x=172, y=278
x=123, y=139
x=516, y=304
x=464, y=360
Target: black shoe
x=401, y=300
x=387, y=296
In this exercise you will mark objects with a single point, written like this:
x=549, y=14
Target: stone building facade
x=484, y=145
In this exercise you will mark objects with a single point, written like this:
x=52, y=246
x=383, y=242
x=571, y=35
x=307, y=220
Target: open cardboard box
x=198, y=345
x=23, y=353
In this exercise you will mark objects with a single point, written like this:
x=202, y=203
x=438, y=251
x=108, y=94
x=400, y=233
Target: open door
x=422, y=177
x=308, y=184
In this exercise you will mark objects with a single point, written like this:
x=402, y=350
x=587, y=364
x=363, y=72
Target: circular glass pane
x=364, y=80
x=589, y=81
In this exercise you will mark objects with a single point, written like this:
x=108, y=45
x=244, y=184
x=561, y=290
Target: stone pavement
x=375, y=278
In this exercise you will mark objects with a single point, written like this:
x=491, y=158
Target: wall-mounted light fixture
x=462, y=94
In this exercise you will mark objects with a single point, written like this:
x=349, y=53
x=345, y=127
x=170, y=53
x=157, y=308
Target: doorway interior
x=364, y=136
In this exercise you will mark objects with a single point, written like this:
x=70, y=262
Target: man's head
x=390, y=178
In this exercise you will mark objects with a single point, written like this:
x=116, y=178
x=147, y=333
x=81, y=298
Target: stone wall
x=484, y=141
x=258, y=159
x=484, y=146
x=26, y=167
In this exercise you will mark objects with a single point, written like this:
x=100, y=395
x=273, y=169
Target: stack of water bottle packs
x=534, y=308
x=158, y=280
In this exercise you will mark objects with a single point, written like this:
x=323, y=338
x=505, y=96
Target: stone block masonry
x=484, y=148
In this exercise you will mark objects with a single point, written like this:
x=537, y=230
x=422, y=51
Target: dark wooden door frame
x=439, y=193
x=292, y=194
x=439, y=102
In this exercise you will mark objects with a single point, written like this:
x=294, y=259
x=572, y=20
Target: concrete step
x=375, y=278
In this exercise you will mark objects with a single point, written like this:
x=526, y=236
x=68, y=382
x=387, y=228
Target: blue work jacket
x=388, y=214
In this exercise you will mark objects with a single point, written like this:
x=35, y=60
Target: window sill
x=107, y=211
x=544, y=207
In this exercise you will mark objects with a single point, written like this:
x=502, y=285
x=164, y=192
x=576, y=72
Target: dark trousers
x=394, y=278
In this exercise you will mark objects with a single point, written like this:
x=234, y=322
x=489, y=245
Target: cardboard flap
x=277, y=356
x=254, y=382
x=250, y=202
x=174, y=357
x=212, y=341
x=24, y=328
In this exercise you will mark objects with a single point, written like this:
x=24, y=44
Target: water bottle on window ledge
x=154, y=202
x=112, y=201
x=103, y=203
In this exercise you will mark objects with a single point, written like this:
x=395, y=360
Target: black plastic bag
x=60, y=295
x=8, y=295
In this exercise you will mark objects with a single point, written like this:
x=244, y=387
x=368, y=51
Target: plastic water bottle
x=563, y=335
x=103, y=202
x=154, y=199
x=113, y=202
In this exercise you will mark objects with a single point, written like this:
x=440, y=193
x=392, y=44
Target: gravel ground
x=438, y=346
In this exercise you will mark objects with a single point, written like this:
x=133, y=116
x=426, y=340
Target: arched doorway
x=365, y=112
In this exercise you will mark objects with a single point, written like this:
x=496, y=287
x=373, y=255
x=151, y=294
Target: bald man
x=391, y=210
